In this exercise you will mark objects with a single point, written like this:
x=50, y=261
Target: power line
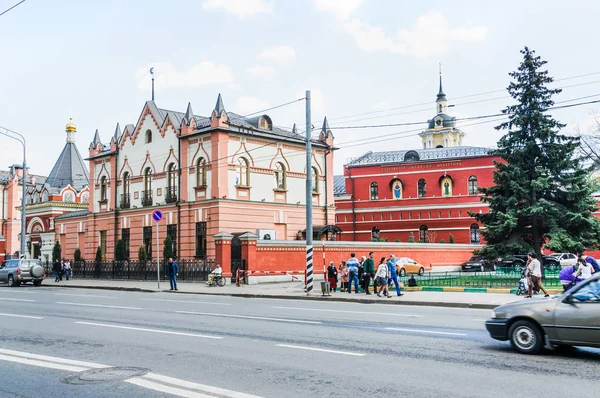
x=5, y=11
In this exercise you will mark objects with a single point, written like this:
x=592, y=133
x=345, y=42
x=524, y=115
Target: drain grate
x=105, y=375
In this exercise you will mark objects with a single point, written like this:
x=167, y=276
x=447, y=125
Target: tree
x=77, y=255
x=99, y=255
x=541, y=193
x=120, y=251
x=411, y=238
x=442, y=241
x=451, y=239
x=56, y=251
x=167, y=248
x=142, y=254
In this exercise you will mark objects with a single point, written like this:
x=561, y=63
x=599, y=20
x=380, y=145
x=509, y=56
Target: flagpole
x=152, y=73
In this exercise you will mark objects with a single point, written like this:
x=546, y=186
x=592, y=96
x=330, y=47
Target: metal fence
x=189, y=270
x=491, y=279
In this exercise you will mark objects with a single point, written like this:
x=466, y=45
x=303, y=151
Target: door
x=577, y=318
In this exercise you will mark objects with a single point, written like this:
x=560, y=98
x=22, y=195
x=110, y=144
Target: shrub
x=442, y=241
x=411, y=238
x=451, y=240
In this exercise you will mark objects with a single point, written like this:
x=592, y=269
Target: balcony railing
x=125, y=202
x=170, y=194
x=147, y=198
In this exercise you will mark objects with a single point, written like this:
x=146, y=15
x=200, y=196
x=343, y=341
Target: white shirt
x=382, y=271
x=535, y=267
x=586, y=271
x=218, y=270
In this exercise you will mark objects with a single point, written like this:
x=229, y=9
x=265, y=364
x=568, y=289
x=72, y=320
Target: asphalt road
x=130, y=344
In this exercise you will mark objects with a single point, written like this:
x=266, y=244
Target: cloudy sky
x=367, y=63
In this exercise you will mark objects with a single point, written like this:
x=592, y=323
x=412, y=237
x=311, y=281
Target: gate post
x=223, y=252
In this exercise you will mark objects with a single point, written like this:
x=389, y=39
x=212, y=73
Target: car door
x=3, y=272
x=577, y=317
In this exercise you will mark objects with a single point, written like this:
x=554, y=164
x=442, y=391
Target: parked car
x=565, y=259
x=564, y=321
x=407, y=265
x=518, y=261
x=477, y=263
x=15, y=272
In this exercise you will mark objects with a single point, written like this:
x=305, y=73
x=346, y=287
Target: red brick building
x=425, y=193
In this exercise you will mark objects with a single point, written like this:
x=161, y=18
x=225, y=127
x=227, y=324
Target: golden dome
x=70, y=127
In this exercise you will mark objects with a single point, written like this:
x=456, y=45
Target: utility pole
x=309, y=226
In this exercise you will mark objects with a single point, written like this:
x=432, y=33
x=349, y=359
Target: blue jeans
x=173, y=281
x=395, y=279
x=352, y=277
x=57, y=276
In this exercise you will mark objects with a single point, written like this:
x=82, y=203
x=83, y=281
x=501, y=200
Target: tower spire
x=441, y=95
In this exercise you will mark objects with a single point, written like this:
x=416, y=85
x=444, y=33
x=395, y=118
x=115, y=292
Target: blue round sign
x=157, y=215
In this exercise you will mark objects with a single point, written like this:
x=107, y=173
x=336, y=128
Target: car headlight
x=498, y=315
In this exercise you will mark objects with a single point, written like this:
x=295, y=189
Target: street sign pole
x=157, y=216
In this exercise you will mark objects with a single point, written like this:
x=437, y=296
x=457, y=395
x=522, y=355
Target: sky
x=366, y=63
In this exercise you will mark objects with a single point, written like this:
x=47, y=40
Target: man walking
x=172, y=272
x=352, y=265
x=394, y=274
x=369, y=271
x=56, y=267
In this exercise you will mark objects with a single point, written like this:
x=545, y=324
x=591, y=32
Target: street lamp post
x=23, y=211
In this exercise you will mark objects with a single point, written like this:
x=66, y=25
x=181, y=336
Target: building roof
x=447, y=121
x=339, y=185
x=73, y=214
x=69, y=169
x=409, y=156
x=5, y=175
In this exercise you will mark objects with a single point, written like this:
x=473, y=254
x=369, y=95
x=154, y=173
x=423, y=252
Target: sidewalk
x=295, y=291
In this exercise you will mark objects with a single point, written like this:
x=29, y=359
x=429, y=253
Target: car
x=17, y=271
x=478, y=263
x=562, y=322
x=565, y=259
x=407, y=265
x=518, y=261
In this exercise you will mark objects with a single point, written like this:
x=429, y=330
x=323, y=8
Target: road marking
x=23, y=291
x=166, y=389
x=12, y=299
x=355, y=354
x=350, y=312
x=53, y=359
x=260, y=318
x=184, y=301
x=22, y=316
x=426, y=331
x=83, y=295
x=196, y=386
x=479, y=320
x=98, y=305
x=32, y=362
x=150, y=330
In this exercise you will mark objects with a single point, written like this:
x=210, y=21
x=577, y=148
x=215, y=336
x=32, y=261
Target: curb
x=284, y=297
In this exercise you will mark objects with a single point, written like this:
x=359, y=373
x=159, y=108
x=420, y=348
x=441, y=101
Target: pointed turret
x=219, y=108
x=294, y=130
x=96, y=139
x=189, y=114
x=441, y=95
x=117, y=134
x=325, y=127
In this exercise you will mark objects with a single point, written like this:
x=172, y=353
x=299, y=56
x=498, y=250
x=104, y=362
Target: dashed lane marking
x=99, y=306
x=106, y=325
x=22, y=316
x=426, y=331
x=354, y=354
x=260, y=318
x=84, y=295
x=350, y=312
x=14, y=299
x=186, y=301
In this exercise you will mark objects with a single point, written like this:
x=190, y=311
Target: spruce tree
x=56, y=251
x=542, y=193
x=120, y=251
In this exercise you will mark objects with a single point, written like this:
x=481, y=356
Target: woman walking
x=382, y=277
x=332, y=276
x=534, y=271
x=344, y=272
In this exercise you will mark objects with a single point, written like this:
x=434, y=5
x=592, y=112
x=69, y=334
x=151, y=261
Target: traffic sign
x=157, y=216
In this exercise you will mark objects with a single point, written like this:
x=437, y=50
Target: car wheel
x=402, y=272
x=421, y=271
x=37, y=283
x=526, y=337
x=11, y=281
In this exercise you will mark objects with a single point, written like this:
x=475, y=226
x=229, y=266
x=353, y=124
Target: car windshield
x=588, y=293
x=474, y=258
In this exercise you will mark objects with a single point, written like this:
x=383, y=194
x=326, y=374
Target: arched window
x=243, y=173
x=103, y=189
x=126, y=183
x=148, y=136
x=423, y=234
x=280, y=176
x=171, y=194
x=374, y=191
x=315, y=180
x=475, y=235
x=201, y=172
x=375, y=234
x=473, y=185
x=421, y=188
x=440, y=108
x=147, y=193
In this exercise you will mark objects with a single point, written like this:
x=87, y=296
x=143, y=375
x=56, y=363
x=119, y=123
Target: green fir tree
x=56, y=252
x=120, y=250
x=451, y=239
x=411, y=238
x=542, y=194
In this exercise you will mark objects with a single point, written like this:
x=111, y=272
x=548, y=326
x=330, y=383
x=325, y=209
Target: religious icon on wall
x=447, y=187
x=397, y=190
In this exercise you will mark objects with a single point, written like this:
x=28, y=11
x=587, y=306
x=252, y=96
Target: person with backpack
x=352, y=265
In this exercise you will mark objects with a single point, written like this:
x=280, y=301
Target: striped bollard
x=309, y=269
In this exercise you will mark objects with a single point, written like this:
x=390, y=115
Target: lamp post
x=23, y=211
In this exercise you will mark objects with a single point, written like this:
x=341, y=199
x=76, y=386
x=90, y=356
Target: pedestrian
x=361, y=271
x=172, y=272
x=56, y=268
x=369, y=272
x=218, y=271
x=332, y=276
x=67, y=268
x=534, y=272
x=352, y=265
x=393, y=271
x=584, y=269
x=567, y=277
x=344, y=273
x=592, y=261
x=381, y=276
x=62, y=268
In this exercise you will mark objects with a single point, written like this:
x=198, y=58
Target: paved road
x=205, y=346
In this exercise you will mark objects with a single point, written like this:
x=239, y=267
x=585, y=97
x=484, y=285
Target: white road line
x=12, y=299
x=150, y=330
x=166, y=389
x=98, y=305
x=22, y=316
x=32, y=362
x=84, y=295
x=21, y=290
x=196, y=386
x=354, y=354
x=260, y=318
x=479, y=319
x=88, y=365
x=350, y=312
x=185, y=301
x=426, y=331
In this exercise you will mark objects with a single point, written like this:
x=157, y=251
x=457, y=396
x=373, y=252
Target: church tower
x=441, y=131
x=69, y=168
